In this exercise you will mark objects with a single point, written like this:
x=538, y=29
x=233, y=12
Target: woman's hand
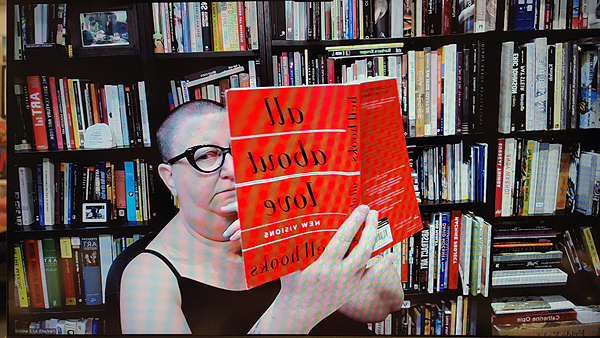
x=379, y=292
x=310, y=295
x=233, y=232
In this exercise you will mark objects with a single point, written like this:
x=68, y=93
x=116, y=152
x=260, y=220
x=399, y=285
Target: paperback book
x=307, y=163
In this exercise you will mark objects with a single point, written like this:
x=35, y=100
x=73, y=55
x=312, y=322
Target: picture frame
x=106, y=30
x=95, y=212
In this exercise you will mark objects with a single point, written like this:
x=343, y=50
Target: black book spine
x=172, y=24
x=317, y=20
x=416, y=261
x=29, y=24
x=61, y=115
x=368, y=19
x=574, y=88
x=137, y=115
x=480, y=86
x=49, y=116
x=52, y=24
x=551, y=79
x=278, y=17
x=517, y=200
x=25, y=134
x=514, y=90
x=206, y=26
x=310, y=15
x=474, y=89
x=74, y=192
x=130, y=122
x=322, y=70
x=466, y=97
x=455, y=26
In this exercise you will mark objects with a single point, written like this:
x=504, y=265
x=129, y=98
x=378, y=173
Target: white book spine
x=479, y=16
x=26, y=190
x=412, y=100
x=552, y=178
x=43, y=274
x=396, y=17
x=432, y=254
x=114, y=113
x=464, y=265
x=49, y=191
x=451, y=93
x=534, y=173
x=427, y=93
x=434, y=94
x=459, y=315
x=123, y=114
x=252, y=20
x=252, y=72
x=81, y=111
x=530, y=86
x=504, y=111
x=144, y=114
x=558, y=92
x=508, y=176
x=106, y=259
x=63, y=103
x=224, y=26
x=541, y=84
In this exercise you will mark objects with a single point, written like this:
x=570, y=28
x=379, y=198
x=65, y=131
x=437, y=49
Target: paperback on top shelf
x=186, y=27
x=71, y=114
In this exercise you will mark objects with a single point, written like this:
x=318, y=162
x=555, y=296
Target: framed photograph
x=104, y=31
x=94, y=212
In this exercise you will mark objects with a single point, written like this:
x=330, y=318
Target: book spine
x=52, y=274
x=130, y=191
x=36, y=106
x=66, y=256
x=90, y=260
x=21, y=284
x=34, y=275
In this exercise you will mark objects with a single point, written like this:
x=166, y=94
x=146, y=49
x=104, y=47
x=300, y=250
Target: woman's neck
x=197, y=257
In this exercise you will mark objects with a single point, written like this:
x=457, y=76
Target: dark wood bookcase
x=158, y=69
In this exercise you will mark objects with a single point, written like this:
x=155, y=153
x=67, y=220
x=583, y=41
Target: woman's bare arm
x=150, y=298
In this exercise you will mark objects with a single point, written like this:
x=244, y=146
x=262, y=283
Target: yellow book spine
x=73, y=113
x=591, y=247
x=217, y=30
x=20, y=281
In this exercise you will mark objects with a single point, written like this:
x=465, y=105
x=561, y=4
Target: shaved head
x=173, y=127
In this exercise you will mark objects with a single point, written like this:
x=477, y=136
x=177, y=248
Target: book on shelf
x=566, y=328
x=315, y=169
x=40, y=27
x=62, y=109
x=192, y=27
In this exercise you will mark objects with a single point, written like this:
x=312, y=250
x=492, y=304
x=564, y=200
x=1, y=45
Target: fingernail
x=227, y=232
x=236, y=236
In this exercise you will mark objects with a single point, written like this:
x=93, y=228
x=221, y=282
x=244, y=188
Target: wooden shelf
x=197, y=55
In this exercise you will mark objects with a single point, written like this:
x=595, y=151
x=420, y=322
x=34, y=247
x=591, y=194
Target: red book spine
x=499, y=175
x=534, y=317
x=34, y=273
x=404, y=261
x=454, y=249
x=95, y=103
x=446, y=17
x=66, y=255
x=69, y=115
x=56, y=111
x=330, y=71
x=34, y=86
x=241, y=25
x=198, y=93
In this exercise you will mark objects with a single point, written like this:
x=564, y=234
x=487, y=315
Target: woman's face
x=202, y=195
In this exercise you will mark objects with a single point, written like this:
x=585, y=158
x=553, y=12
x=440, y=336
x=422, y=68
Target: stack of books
x=526, y=257
x=539, y=316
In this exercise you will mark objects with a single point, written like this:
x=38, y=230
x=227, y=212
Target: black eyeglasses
x=205, y=158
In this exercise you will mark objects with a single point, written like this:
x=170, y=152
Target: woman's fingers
x=360, y=255
x=231, y=207
x=339, y=244
x=233, y=230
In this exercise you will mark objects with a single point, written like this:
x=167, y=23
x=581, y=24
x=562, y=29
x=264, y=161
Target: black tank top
x=214, y=311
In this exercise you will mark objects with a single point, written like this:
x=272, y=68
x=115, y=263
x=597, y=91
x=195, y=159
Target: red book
x=104, y=115
x=307, y=164
x=66, y=257
x=34, y=273
x=65, y=91
x=95, y=103
x=57, y=120
x=404, y=261
x=36, y=104
x=499, y=175
x=121, y=192
x=455, y=218
x=330, y=71
x=241, y=24
x=534, y=317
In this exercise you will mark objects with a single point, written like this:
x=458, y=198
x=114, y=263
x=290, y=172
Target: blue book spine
x=351, y=20
x=130, y=189
x=123, y=112
x=171, y=102
x=102, y=167
x=481, y=172
x=185, y=24
x=525, y=15
x=69, y=193
x=445, y=250
x=40, y=186
x=291, y=70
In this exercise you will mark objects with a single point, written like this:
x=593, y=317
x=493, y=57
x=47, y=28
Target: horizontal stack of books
x=55, y=326
x=540, y=316
x=526, y=257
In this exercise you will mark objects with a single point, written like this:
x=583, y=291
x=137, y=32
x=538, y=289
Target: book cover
x=21, y=285
x=34, y=274
x=38, y=116
x=52, y=275
x=90, y=263
x=310, y=169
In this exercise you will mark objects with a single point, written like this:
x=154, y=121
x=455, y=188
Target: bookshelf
x=158, y=69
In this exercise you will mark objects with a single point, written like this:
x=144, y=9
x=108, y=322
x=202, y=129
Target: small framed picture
x=104, y=31
x=94, y=212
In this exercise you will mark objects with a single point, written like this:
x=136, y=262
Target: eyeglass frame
x=189, y=155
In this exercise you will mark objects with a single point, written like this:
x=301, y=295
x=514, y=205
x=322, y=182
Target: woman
x=189, y=278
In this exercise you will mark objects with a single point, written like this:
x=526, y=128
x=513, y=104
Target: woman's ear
x=166, y=174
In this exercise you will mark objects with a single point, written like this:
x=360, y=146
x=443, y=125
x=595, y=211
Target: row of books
x=549, y=86
x=451, y=251
x=211, y=84
x=37, y=25
x=364, y=19
x=298, y=68
x=550, y=14
x=442, y=90
x=581, y=250
x=56, y=112
x=453, y=317
x=71, y=193
x=535, y=177
x=64, y=272
x=441, y=173
x=549, y=315
x=184, y=27
x=55, y=326
x=538, y=242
